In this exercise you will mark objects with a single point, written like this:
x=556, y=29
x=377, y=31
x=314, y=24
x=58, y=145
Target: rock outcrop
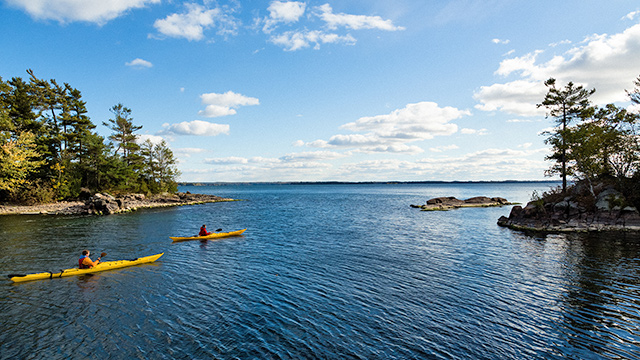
x=105, y=204
x=608, y=212
x=448, y=203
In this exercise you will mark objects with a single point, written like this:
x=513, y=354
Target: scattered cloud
x=440, y=149
x=311, y=156
x=296, y=40
x=192, y=23
x=226, y=161
x=195, y=127
x=224, y=104
x=355, y=22
x=468, y=131
x=392, y=132
x=187, y=152
x=517, y=98
x=499, y=41
x=67, y=11
x=563, y=42
x=520, y=120
x=489, y=164
x=632, y=15
x=482, y=165
x=293, y=38
x=139, y=63
x=588, y=64
x=283, y=12
x=155, y=139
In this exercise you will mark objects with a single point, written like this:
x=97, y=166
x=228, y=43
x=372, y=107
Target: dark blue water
x=323, y=272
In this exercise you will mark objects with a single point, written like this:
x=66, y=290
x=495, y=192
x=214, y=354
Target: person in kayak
x=85, y=262
x=203, y=231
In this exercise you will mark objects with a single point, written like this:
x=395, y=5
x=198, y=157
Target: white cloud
x=563, y=42
x=311, y=156
x=444, y=148
x=298, y=143
x=227, y=161
x=191, y=24
x=500, y=41
x=391, y=149
x=95, y=11
x=187, y=152
x=139, y=63
x=283, y=12
x=224, y=104
x=422, y=120
x=468, y=131
x=608, y=63
x=355, y=22
x=195, y=127
x=155, y=139
x=632, y=15
x=517, y=97
x=290, y=12
x=296, y=40
x=390, y=133
x=490, y=164
x=520, y=120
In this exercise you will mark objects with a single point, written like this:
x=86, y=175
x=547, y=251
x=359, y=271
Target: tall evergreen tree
x=77, y=125
x=123, y=132
x=565, y=105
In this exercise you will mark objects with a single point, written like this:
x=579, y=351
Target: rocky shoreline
x=105, y=204
x=448, y=203
x=567, y=214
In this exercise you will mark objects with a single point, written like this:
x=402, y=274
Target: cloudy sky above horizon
x=363, y=90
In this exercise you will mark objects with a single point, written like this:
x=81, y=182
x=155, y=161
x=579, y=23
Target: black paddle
x=219, y=230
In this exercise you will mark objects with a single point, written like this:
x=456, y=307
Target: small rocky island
x=105, y=204
x=603, y=208
x=448, y=203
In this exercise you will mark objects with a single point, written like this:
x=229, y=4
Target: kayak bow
x=103, y=266
x=208, y=237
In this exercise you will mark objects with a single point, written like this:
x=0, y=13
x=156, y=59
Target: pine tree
x=565, y=105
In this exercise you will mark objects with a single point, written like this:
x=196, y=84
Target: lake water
x=322, y=272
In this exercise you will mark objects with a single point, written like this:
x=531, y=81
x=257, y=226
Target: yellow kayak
x=208, y=237
x=103, y=266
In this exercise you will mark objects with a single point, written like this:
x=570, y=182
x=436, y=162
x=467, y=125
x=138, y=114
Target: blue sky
x=360, y=90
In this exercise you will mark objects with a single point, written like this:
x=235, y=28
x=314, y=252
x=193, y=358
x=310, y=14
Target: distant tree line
x=49, y=149
x=593, y=144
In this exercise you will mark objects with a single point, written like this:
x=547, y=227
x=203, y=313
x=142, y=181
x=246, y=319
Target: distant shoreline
x=204, y=183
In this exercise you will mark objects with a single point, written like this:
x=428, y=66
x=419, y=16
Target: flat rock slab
x=448, y=203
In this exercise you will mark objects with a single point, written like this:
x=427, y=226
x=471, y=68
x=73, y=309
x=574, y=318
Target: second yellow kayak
x=208, y=237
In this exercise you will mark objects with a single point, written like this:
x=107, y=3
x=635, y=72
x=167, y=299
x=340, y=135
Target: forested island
x=599, y=148
x=50, y=151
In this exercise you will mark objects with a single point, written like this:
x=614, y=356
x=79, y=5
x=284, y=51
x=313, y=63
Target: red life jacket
x=203, y=231
x=80, y=264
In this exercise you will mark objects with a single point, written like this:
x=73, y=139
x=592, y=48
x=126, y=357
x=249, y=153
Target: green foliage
x=49, y=150
x=18, y=160
x=593, y=144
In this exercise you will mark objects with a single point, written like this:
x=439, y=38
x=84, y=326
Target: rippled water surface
x=323, y=271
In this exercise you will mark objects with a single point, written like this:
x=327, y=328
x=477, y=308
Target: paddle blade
x=103, y=254
x=218, y=230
